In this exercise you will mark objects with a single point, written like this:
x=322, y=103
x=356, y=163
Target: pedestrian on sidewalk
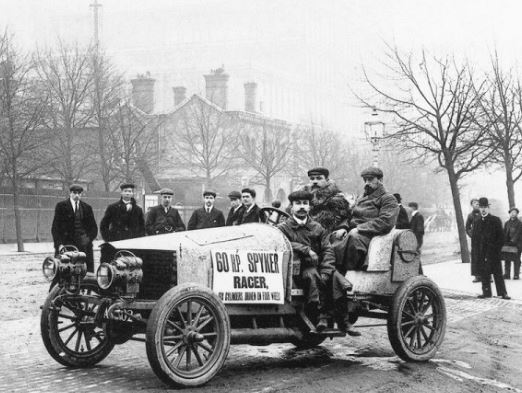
x=512, y=244
x=475, y=213
x=487, y=239
x=417, y=224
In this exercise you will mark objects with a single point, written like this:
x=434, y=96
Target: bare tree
x=265, y=148
x=105, y=99
x=21, y=116
x=66, y=76
x=435, y=104
x=204, y=140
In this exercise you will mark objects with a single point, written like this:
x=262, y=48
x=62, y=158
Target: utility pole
x=95, y=7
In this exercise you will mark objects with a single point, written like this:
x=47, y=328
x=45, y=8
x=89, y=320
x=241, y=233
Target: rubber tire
x=52, y=344
x=162, y=310
x=394, y=320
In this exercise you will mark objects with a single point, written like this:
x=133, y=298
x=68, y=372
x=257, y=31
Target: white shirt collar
x=73, y=203
x=414, y=213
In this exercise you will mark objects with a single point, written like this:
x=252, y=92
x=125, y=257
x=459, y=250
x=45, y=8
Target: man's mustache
x=302, y=211
x=315, y=186
x=368, y=189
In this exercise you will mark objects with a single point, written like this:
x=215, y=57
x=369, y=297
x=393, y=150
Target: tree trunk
x=18, y=218
x=510, y=184
x=268, y=191
x=464, y=252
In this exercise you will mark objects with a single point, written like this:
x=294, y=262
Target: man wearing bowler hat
x=163, y=218
x=123, y=219
x=207, y=216
x=375, y=213
x=488, y=238
x=236, y=208
x=512, y=244
x=74, y=224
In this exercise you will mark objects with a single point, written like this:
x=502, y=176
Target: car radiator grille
x=159, y=273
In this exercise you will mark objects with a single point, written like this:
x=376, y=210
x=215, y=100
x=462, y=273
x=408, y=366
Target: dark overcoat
x=487, y=239
x=158, y=221
x=402, y=219
x=417, y=227
x=249, y=216
x=234, y=215
x=474, y=215
x=200, y=219
x=62, y=227
x=120, y=224
x=513, y=233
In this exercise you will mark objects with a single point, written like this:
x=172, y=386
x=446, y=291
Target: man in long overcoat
x=512, y=240
x=375, y=213
x=417, y=224
x=487, y=238
x=475, y=214
x=236, y=208
x=403, y=221
x=164, y=218
x=74, y=224
x=123, y=219
x=207, y=216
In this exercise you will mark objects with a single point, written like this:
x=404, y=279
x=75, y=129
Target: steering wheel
x=272, y=216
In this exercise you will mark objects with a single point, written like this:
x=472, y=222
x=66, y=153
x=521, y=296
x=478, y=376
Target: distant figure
x=402, y=219
x=123, y=219
x=251, y=211
x=276, y=203
x=236, y=208
x=488, y=238
x=417, y=224
x=207, y=216
x=74, y=225
x=512, y=244
x=164, y=218
x=474, y=215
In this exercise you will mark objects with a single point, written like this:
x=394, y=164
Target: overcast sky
x=318, y=43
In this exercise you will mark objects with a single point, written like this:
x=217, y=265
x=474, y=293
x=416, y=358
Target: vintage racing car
x=193, y=294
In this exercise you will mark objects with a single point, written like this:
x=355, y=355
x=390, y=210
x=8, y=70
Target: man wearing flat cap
x=375, y=213
x=236, y=208
x=512, y=244
x=487, y=239
x=207, y=216
x=164, y=218
x=74, y=225
x=123, y=219
x=329, y=207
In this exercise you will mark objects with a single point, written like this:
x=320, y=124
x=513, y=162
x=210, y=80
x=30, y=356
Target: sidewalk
x=455, y=276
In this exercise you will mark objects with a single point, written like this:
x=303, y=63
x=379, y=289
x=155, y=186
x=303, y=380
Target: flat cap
x=250, y=191
x=209, y=192
x=372, y=171
x=514, y=208
x=300, y=195
x=123, y=186
x=319, y=171
x=234, y=195
x=166, y=191
x=75, y=187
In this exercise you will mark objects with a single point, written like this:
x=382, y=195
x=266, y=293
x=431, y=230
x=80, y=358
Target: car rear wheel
x=188, y=336
x=68, y=328
x=417, y=319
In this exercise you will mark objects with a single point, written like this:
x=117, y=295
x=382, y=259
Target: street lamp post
x=375, y=130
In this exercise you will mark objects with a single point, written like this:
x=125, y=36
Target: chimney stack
x=179, y=94
x=250, y=96
x=143, y=92
x=216, y=87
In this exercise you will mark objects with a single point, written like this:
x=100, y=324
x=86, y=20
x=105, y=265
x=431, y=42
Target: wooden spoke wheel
x=188, y=336
x=272, y=216
x=68, y=327
x=417, y=319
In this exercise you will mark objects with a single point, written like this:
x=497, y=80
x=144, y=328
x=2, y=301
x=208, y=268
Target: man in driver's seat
x=310, y=243
x=375, y=213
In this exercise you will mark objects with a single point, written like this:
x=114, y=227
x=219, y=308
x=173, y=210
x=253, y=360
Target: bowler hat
x=209, y=192
x=372, y=172
x=514, y=208
x=319, y=171
x=166, y=191
x=75, y=187
x=398, y=197
x=300, y=195
x=123, y=186
x=483, y=202
x=234, y=195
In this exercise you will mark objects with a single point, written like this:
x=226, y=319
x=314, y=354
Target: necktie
x=208, y=210
x=76, y=210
